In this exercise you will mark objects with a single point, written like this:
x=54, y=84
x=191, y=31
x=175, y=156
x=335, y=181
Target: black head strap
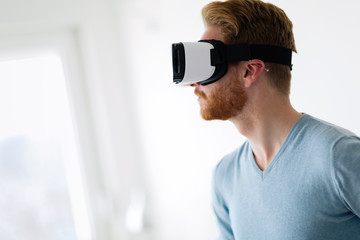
x=266, y=53
x=223, y=53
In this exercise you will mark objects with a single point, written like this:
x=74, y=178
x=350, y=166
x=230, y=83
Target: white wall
x=326, y=82
x=145, y=132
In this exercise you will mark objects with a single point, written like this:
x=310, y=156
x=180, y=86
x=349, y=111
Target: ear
x=252, y=71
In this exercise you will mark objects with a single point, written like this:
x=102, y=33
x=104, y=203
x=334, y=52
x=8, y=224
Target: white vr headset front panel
x=197, y=62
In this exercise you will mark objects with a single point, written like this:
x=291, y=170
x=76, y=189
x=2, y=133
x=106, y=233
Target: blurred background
x=96, y=143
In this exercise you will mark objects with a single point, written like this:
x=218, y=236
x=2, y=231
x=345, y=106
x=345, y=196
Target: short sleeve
x=221, y=209
x=346, y=165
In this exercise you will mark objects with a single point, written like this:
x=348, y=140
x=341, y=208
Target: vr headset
x=207, y=61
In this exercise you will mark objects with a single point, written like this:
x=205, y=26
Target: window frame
x=64, y=43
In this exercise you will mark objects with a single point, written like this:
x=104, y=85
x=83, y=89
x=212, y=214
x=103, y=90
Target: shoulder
x=346, y=171
x=225, y=171
x=346, y=153
x=321, y=133
x=320, y=126
x=227, y=164
x=342, y=147
x=325, y=138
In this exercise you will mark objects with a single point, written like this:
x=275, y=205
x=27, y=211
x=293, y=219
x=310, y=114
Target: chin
x=208, y=116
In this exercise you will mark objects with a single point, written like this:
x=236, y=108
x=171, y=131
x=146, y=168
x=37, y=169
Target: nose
x=195, y=84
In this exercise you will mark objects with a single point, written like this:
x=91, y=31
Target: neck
x=266, y=126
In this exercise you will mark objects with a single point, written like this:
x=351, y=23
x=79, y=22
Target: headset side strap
x=266, y=53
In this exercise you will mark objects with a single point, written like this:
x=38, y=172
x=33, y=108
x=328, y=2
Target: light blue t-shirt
x=310, y=190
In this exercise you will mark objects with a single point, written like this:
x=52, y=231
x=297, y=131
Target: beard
x=224, y=102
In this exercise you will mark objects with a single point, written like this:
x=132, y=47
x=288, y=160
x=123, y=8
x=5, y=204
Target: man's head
x=254, y=22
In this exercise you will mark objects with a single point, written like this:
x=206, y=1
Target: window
x=41, y=190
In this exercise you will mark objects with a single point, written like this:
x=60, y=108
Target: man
x=296, y=177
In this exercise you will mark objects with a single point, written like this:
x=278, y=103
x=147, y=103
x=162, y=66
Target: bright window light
x=41, y=186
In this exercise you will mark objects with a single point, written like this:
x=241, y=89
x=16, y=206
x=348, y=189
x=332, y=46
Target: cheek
x=221, y=91
x=207, y=91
